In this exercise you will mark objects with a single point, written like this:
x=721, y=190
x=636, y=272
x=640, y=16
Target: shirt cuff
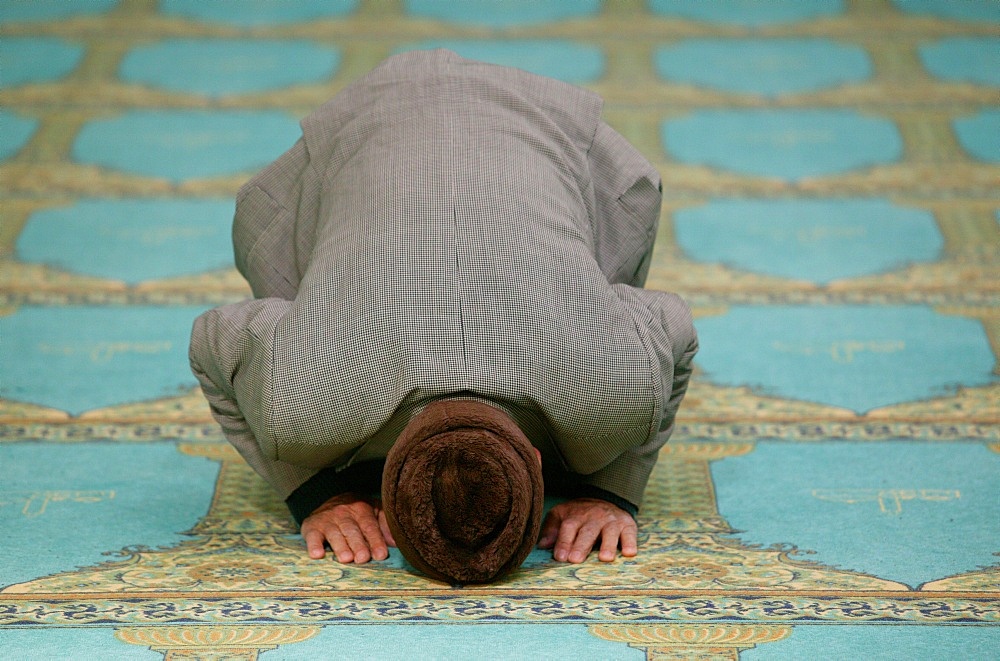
x=364, y=478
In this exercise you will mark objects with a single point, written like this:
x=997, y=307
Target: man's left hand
x=573, y=528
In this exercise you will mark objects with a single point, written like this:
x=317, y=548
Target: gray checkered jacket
x=445, y=228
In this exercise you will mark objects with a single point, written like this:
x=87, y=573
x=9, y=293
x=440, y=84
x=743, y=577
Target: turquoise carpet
x=831, y=211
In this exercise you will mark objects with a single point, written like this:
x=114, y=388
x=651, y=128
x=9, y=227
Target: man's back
x=454, y=252
x=447, y=228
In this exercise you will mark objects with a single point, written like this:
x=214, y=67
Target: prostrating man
x=447, y=269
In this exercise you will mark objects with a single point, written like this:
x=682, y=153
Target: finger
x=567, y=535
x=340, y=547
x=383, y=523
x=630, y=543
x=586, y=537
x=373, y=536
x=609, y=542
x=550, y=530
x=315, y=543
x=356, y=541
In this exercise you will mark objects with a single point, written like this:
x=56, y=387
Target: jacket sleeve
x=274, y=228
x=230, y=354
x=627, y=200
x=674, y=343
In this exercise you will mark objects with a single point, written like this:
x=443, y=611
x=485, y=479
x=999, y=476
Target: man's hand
x=355, y=528
x=574, y=526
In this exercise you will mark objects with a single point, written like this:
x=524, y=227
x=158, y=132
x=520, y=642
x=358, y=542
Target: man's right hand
x=354, y=527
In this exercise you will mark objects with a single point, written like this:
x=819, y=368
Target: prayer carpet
x=831, y=210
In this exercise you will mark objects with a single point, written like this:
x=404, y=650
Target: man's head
x=462, y=491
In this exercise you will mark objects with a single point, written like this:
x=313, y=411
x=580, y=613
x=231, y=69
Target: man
x=450, y=231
